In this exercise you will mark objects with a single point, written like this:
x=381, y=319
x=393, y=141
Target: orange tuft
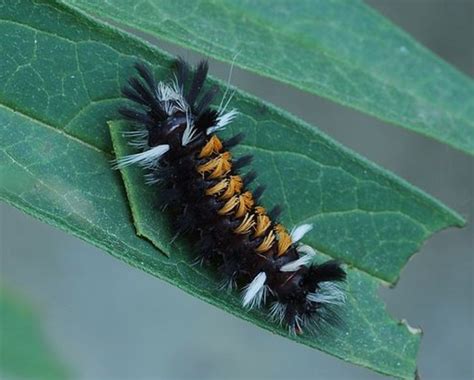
x=245, y=203
x=229, y=206
x=213, y=146
x=235, y=186
x=263, y=223
x=284, y=239
x=217, y=188
x=266, y=243
x=247, y=223
x=218, y=166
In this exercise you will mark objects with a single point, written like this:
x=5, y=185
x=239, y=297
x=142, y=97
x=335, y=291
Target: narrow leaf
x=366, y=326
x=341, y=50
x=142, y=199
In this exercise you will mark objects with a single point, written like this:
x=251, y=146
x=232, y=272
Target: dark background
x=110, y=321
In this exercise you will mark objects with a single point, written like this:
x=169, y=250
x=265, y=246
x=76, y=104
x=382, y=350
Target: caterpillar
x=203, y=188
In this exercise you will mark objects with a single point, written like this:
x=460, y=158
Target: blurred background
x=107, y=320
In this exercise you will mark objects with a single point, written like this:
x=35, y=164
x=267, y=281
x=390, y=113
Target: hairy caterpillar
x=203, y=188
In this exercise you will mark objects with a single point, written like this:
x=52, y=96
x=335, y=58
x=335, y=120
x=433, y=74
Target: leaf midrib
x=107, y=155
x=56, y=129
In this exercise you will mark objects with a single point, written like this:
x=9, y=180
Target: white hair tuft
x=297, y=233
x=255, y=292
x=328, y=292
x=146, y=159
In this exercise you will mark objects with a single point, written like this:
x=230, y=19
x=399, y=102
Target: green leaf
x=341, y=50
x=149, y=223
x=363, y=337
x=24, y=351
x=61, y=74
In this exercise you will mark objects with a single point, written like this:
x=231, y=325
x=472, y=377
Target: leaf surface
x=367, y=327
x=61, y=75
x=341, y=50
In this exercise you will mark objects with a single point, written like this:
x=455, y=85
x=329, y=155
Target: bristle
x=146, y=74
x=146, y=159
x=255, y=292
x=142, y=96
x=206, y=100
x=135, y=116
x=223, y=119
x=243, y=161
x=278, y=311
x=249, y=178
x=182, y=72
x=190, y=132
x=144, y=92
x=207, y=118
x=234, y=140
x=131, y=94
x=297, y=233
x=275, y=212
x=328, y=292
x=198, y=81
x=329, y=271
x=258, y=192
x=293, y=266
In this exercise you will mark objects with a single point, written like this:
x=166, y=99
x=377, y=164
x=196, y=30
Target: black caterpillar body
x=209, y=199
